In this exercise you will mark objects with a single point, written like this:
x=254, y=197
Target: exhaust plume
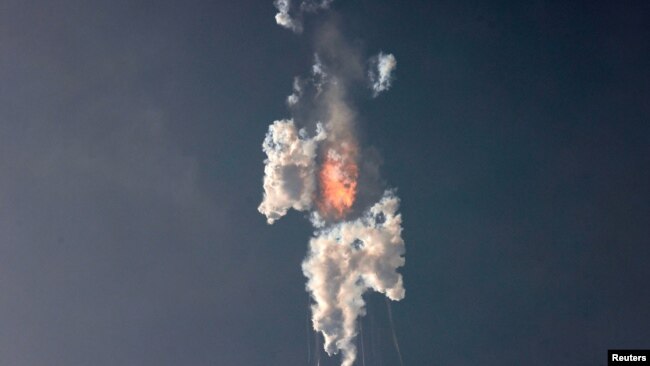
x=357, y=244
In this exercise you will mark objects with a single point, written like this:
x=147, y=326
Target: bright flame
x=338, y=182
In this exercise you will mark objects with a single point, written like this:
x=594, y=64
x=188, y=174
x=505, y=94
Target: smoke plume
x=357, y=245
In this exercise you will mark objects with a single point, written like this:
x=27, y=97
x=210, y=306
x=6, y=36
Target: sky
x=131, y=167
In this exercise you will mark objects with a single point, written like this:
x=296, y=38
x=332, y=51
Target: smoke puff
x=346, y=260
x=289, y=172
x=380, y=74
x=294, y=98
x=294, y=23
x=284, y=19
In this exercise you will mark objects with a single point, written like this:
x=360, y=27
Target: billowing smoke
x=317, y=168
x=289, y=174
x=344, y=261
x=380, y=73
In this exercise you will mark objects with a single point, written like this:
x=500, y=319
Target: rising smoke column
x=354, y=249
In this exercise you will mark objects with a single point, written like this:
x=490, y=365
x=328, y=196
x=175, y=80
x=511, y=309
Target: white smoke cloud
x=346, y=260
x=289, y=172
x=380, y=73
x=284, y=18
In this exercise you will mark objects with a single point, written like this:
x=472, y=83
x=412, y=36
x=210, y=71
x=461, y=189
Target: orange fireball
x=338, y=183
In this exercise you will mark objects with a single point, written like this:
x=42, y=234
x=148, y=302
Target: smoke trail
x=378, y=346
x=363, y=351
x=357, y=246
x=317, y=344
x=372, y=340
x=392, y=328
x=308, y=334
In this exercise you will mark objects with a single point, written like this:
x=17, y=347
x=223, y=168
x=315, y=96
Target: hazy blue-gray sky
x=131, y=169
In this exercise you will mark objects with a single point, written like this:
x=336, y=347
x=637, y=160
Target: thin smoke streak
x=363, y=352
x=373, y=338
x=392, y=328
x=308, y=332
x=376, y=343
x=317, y=344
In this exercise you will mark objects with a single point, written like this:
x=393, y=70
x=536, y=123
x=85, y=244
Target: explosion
x=319, y=173
x=338, y=182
